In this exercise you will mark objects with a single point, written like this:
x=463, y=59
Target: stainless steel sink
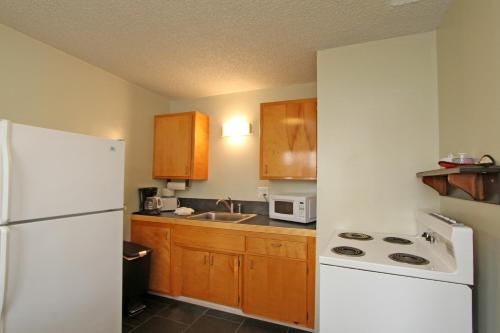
x=222, y=217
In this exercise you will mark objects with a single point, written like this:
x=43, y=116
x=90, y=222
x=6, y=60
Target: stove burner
x=409, y=259
x=348, y=251
x=355, y=236
x=398, y=240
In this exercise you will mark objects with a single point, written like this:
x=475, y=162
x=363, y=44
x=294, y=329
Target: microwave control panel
x=302, y=208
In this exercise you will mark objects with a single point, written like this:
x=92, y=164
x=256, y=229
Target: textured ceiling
x=194, y=48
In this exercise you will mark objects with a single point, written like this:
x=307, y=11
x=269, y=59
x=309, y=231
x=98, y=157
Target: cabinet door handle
x=211, y=260
x=266, y=170
x=251, y=264
x=187, y=170
x=276, y=244
x=166, y=235
x=204, y=260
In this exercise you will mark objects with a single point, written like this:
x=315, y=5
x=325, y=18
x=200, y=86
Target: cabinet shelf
x=466, y=182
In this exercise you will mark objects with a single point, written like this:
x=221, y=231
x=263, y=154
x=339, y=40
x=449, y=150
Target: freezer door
x=65, y=275
x=53, y=173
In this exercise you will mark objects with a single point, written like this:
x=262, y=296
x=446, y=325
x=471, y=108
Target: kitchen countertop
x=259, y=223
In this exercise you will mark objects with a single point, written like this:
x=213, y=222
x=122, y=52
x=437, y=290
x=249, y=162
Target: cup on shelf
x=463, y=158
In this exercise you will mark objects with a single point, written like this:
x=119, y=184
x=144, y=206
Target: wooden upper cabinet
x=180, y=149
x=288, y=139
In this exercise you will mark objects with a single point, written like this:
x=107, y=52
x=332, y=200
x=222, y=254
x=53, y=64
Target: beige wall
x=469, y=100
x=234, y=166
x=378, y=126
x=45, y=87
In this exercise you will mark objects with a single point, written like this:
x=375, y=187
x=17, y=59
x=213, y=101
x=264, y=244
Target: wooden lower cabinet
x=264, y=274
x=156, y=236
x=210, y=276
x=225, y=279
x=276, y=288
x=195, y=273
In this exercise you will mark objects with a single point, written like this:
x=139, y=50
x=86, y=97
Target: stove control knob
x=429, y=237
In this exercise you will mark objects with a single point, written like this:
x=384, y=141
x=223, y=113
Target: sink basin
x=221, y=217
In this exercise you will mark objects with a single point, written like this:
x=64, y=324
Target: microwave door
x=283, y=207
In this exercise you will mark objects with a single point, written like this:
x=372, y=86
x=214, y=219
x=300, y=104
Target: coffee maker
x=149, y=202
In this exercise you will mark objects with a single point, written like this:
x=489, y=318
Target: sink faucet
x=228, y=203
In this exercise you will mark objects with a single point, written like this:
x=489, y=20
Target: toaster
x=169, y=203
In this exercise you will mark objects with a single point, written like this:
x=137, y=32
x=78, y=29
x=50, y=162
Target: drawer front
x=208, y=238
x=276, y=247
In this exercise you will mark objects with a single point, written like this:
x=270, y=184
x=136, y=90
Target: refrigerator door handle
x=5, y=167
x=4, y=238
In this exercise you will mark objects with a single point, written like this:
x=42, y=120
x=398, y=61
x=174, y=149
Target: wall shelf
x=476, y=183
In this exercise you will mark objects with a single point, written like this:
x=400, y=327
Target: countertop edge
x=224, y=225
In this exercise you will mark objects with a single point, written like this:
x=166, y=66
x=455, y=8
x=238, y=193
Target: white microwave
x=293, y=207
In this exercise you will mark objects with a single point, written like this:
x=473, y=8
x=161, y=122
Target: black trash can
x=136, y=262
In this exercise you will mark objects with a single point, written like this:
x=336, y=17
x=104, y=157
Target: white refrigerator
x=61, y=218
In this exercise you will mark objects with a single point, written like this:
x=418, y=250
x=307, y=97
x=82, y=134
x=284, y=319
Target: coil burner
x=398, y=240
x=409, y=259
x=355, y=236
x=348, y=251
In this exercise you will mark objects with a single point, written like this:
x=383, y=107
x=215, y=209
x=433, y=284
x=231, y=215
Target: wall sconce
x=236, y=128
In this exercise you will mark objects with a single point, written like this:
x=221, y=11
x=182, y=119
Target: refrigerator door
x=47, y=173
x=65, y=275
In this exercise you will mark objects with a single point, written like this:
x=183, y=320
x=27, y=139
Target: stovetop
x=377, y=248
x=431, y=253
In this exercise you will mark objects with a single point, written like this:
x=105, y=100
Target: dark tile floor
x=164, y=315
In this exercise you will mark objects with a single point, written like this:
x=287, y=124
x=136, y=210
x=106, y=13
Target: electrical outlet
x=262, y=192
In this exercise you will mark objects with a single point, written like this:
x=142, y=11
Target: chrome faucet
x=228, y=203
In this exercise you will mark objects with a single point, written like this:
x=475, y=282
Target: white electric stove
x=373, y=282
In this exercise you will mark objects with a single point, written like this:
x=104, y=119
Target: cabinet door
x=276, y=288
x=173, y=138
x=288, y=140
x=157, y=238
x=195, y=273
x=224, y=279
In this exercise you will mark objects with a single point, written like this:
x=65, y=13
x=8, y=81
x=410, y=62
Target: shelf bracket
x=472, y=184
x=439, y=183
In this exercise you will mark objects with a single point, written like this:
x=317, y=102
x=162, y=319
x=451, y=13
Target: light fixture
x=235, y=128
